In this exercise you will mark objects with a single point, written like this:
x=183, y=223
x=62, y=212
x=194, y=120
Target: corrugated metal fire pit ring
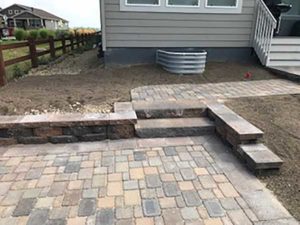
x=182, y=62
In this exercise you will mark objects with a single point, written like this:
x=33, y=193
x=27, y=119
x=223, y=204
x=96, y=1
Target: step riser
x=286, y=41
x=172, y=113
x=284, y=63
x=174, y=132
x=285, y=48
x=285, y=56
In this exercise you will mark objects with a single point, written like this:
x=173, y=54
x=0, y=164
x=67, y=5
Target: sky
x=80, y=13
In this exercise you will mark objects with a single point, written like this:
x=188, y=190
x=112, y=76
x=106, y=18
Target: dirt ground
x=81, y=84
x=279, y=118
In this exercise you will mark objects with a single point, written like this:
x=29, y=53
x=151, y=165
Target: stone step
x=259, y=157
x=232, y=127
x=173, y=127
x=170, y=109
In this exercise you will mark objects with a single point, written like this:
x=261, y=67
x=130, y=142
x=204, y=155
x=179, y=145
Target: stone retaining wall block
x=121, y=131
x=63, y=139
x=46, y=132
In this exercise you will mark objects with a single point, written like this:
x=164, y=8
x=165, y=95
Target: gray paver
x=153, y=181
x=214, y=208
x=229, y=203
x=151, y=207
x=125, y=222
x=171, y=189
x=189, y=213
x=90, y=193
x=59, y=213
x=139, y=156
x=105, y=217
x=172, y=216
x=34, y=173
x=170, y=151
x=131, y=185
x=56, y=222
x=72, y=167
x=38, y=217
x=170, y=167
x=60, y=161
x=191, y=198
x=188, y=174
x=24, y=207
x=124, y=213
x=87, y=207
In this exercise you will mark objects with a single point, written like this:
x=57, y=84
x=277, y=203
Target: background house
x=20, y=16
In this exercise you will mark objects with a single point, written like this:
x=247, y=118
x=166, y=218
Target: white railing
x=264, y=31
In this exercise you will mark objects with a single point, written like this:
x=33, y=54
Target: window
x=10, y=12
x=183, y=6
x=184, y=3
x=142, y=2
x=17, y=11
x=221, y=3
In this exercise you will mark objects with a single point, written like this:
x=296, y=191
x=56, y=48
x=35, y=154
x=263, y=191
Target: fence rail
x=74, y=42
x=264, y=31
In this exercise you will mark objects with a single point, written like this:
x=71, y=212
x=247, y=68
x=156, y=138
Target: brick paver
x=137, y=182
x=215, y=90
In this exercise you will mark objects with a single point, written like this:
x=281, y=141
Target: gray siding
x=156, y=29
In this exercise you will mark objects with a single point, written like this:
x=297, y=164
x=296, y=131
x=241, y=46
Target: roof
x=38, y=12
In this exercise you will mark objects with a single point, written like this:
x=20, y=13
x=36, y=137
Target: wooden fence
x=74, y=42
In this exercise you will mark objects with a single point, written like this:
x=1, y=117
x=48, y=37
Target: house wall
x=124, y=29
x=50, y=24
x=53, y=25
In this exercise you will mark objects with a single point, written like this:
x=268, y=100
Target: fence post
x=52, y=47
x=82, y=39
x=77, y=41
x=72, y=42
x=63, y=43
x=2, y=69
x=33, y=53
x=86, y=38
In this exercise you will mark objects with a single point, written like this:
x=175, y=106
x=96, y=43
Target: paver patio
x=191, y=180
x=215, y=90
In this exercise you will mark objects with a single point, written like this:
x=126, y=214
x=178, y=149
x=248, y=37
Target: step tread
x=174, y=123
x=168, y=105
x=259, y=156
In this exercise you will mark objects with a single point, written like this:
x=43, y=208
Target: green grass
x=25, y=66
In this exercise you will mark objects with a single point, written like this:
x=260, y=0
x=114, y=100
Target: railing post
x=2, y=69
x=33, y=53
x=52, y=47
x=63, y=43
x=72, y=42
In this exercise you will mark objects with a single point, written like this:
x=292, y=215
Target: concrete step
x=259, y=157
x=170, y=109
x=174, y=127
x=285, y=56
x=286, y=41
x=285, y=48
